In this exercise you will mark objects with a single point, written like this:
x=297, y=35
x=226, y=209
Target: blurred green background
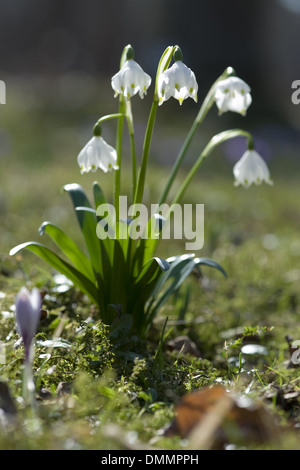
x=57, y=58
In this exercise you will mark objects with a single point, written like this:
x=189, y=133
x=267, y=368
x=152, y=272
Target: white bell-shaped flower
x=130, y=80
x=178, y=81
x=233, y=94
x=97, y=154
x=251, y=168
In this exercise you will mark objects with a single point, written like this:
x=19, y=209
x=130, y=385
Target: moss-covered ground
x=97, y=389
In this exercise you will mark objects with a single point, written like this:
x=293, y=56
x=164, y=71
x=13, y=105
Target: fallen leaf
x=214, y=417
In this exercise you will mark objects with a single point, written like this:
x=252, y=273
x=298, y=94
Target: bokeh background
x=57, y=58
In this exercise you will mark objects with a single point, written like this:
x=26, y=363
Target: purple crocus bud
x=28, y=312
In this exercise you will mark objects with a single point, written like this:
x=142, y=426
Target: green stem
x=28, y=385
x=117, y=187
x=163, y=65
x=213, y=143
x=206, y=106
x=178, y=163
x=133, y=163
x=107, y=117
x=129, y=119
x=122, y=112
x=146, y=148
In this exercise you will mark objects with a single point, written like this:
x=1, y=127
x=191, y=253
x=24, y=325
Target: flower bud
x=97, y=130
x=28, y=312
x=177, y=54
x=129, y=52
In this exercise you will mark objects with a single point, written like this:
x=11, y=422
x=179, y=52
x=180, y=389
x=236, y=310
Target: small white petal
x=130, y=80
x=251, y=168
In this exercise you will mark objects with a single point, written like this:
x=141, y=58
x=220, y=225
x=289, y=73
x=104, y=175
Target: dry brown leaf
x=213, y=417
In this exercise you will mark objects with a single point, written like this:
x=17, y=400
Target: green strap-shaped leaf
x=99, y=197
x=211, y=263
x=62, y=266
x=88, y=223
x=149, y=244
x=149, y=270
x=143, y=286
x=162, y=263
x=180, y=268
x=69, y=248
x=119, y=277
x=106, y=248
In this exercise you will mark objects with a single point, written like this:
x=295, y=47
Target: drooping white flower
x=28, y=312
x=178, y=81
x=251, y=168
x=97, y=154
x=130, y=80
x=233, y=94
